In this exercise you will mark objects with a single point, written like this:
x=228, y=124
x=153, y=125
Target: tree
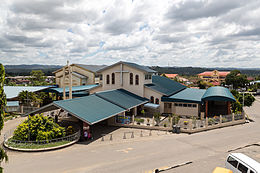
x=236, y=79
x=37, y=78
x=248, y=99
x=3, y=155
x=37, y=128
x=28, y=98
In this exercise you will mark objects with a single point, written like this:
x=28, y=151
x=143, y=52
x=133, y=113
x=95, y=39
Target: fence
x=194, y=125
x=22, y=144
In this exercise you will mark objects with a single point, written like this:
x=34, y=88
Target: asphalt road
x=205, y=150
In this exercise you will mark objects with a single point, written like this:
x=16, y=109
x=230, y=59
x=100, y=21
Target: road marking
x=125, y=150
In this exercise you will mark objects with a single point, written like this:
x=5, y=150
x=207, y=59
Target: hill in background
x=24, y=70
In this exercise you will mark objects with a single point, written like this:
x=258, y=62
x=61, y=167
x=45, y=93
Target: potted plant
x=148, y=122
x=157, y=117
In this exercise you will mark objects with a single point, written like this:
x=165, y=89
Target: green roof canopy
x=218, y=94
x=97, y=107
x=165, y=85
x=90, y=108
x=188, y=95
x=122, y=98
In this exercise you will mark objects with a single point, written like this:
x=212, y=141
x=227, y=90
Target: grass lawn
x=36, y=146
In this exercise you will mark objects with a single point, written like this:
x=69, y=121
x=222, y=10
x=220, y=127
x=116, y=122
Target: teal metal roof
x=13, y=91
x=188, y=95
x=122, y=98
x=165, y=85
x=12, y=103
x=218, y=94
x=74, y=88
x=91, y=109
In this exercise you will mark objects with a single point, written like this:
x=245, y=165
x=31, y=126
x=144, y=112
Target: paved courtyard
x=204, y=150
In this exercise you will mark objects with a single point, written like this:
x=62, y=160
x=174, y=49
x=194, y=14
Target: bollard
x=150, y=134
x=132, y=136
x=141, y=135
x=111, y=137
x=166, y=132
x=124, y=137
x=102, y=138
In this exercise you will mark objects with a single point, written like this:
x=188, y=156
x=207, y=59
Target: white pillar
x=70, y=83
x=63, y=83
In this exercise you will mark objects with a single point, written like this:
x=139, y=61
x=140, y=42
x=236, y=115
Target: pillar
x=206, y=109
x=70, y=83
x=229, y=108
x=63, y=83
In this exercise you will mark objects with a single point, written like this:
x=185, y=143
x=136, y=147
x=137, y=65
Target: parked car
x=221, y=170
x=240, y=163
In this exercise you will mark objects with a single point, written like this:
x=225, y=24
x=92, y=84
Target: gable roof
x=218, y=93
x=210, y=73
x=122, y=98
x=188, y=95
x=91, y=109
x=171, y=75
x=92, y=68
x=96, y=107
x=136, y=66
x=165, y=86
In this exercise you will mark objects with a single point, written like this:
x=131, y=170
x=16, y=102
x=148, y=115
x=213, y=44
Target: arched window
x=137, y=79
x=108, y=79
x=131, y=79
x=113, y=78
x=156, y=101
x=151, y=99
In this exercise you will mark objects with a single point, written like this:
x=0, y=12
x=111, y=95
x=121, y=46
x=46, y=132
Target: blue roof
x=74, y=88
x=165, y=85
x=218, y=93
x=188, y=95
x=13, y=91
x=91, y=109
x=122, y=98
x=12, y=103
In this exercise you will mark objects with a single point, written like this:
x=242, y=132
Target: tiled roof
x=210, y=73
x=165, y=86
x=171, y=75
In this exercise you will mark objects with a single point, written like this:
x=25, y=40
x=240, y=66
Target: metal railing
x=69, y=138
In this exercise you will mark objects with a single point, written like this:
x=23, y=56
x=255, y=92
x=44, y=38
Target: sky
x=198, y=33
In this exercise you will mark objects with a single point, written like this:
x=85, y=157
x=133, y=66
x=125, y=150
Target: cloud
x=179, y=33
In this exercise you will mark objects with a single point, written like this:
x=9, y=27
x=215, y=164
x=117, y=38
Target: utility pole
x=70, y=83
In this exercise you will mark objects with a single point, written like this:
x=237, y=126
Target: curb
x=40, y=149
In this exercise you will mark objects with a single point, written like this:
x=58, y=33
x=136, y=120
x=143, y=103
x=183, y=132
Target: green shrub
x=139, y=120
x=38, y=128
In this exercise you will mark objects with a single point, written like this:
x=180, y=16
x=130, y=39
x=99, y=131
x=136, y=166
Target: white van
x=240, y=163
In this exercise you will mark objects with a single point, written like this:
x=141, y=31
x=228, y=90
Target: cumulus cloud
x=205, y=33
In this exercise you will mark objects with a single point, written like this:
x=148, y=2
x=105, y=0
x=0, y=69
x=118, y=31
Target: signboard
x=121, y=119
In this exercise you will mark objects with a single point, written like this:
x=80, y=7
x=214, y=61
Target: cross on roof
x=121, y=74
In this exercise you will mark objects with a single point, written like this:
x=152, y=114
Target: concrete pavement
x=205, y=150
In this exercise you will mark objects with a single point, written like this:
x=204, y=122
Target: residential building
x=215, y=77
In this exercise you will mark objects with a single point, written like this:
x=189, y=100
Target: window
x=101, y=77
x=113, y=78
x=108, y=79
x=148, y=76
x=185, y=105
x=137, y=79
x=151, y=99
x=189, y=105
x=131, y=79
x=232, y=161
x=180, y=104
x=242, y=168
x=156, y=101
x=194, y=105
x=175, y=104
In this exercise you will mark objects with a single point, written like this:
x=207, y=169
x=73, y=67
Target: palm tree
x=3, y=155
